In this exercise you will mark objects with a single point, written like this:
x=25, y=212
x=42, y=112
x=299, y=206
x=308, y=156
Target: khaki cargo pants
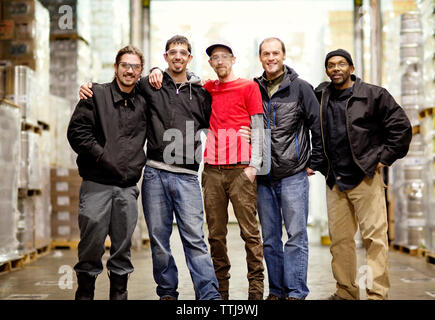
x=365, y=206
x=219, y=186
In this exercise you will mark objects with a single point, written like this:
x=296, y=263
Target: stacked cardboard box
x=24, y=39
x=69, y=68
x=110, y=31
x=70, y=53
x=65, y=187
x=69, y=17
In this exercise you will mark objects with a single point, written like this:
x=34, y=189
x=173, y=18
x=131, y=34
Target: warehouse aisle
x=412, y=278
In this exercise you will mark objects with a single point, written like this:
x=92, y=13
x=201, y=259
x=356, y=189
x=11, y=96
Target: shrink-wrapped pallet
x=30, y=166
x=70, y=67
x=61, y=155
x=9, y=159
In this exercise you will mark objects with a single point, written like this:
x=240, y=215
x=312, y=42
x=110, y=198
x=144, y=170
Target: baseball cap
x=222, y=43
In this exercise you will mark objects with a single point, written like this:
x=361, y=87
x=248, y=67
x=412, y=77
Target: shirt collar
x=117, y=94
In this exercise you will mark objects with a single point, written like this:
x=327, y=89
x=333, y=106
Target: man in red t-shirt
x=230, y=168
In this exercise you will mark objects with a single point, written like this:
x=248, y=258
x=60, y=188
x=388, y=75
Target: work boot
x=335, y=297
x=255, y=296
x=272, y=297
x=118, y=286
x=224, y=295
x=86, y=286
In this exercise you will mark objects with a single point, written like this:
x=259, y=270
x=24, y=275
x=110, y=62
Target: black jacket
x=377, y=127
x=289, y=114
x=178, y=113
x=108, y=133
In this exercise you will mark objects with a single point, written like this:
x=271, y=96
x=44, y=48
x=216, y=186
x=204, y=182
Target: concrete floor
x=50, y=276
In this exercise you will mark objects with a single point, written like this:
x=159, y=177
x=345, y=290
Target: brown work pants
x=365, y=206
x=219, y=186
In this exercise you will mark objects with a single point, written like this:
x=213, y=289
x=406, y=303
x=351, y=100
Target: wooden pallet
x=412, y=251
x=44, y=250
x=23, y=193
x=72, y=244
x=30, y=256
x=430, y=257
x=65, y=244
x=30, y=126
x=43, y=125
x=25, y=258
x=12, y=265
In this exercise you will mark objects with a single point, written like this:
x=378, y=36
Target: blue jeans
x=286, y=199
x=163, y=194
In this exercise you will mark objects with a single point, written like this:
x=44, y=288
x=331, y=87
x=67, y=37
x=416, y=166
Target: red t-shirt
x=233, y=103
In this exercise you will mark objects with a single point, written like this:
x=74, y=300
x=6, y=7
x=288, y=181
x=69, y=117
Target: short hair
x=269, y=39
x=130, y=50
x=178, y=39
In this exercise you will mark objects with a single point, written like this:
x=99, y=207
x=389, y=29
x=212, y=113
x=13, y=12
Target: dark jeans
x=220, y=186
x=285, y=201
x=106, y=210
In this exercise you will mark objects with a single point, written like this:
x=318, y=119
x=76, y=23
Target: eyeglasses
x=222, y=57
x=134, y=67
x=340, y=65
x=173, y=53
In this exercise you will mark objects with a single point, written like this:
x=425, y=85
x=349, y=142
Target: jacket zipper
x=269, y=146
x=323, y=138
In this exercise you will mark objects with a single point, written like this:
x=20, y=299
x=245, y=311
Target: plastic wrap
x=26, y=92
x=10, y=127
x=43, y=201
x=30, y=166
x=69, y=68
x=26, y=224
x=43, y=211
x=61, y=154
x=109, y=32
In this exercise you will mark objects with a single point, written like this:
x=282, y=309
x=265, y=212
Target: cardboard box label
x=64, y=230
x=63, y=201
x=63, y=216
x=62, y=186
x=61, y=172
x=7, y=29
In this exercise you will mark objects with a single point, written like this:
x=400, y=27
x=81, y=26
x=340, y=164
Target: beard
x=126, y=82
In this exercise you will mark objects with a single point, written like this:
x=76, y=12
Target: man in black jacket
x=108, y=133
x=291, y=110
x=363, y=130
